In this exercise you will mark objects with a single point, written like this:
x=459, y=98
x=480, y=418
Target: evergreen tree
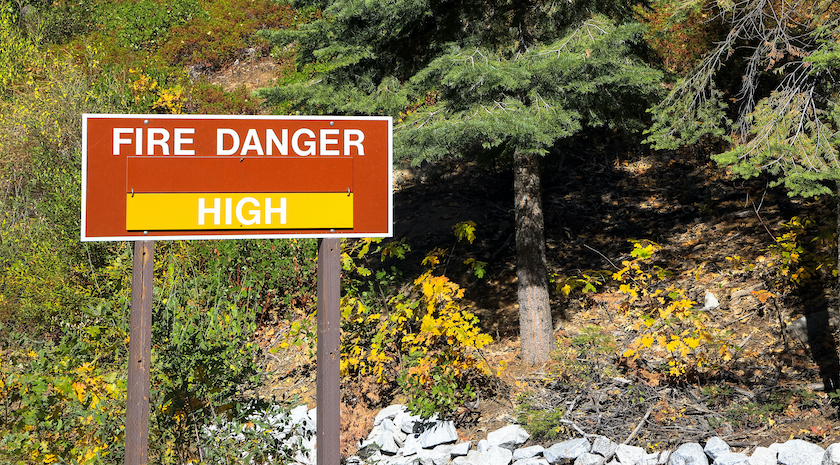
x=769, y=86
x=508, y=77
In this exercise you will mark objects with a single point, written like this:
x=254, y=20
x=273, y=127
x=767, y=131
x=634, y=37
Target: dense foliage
x=64, y=305
x=498, y=79
x=501, y=80
x=769, y=86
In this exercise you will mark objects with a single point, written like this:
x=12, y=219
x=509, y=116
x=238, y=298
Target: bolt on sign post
x=170, y=177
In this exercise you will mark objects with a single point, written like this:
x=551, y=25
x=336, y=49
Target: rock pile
x=399, y=438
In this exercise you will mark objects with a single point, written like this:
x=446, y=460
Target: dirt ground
x=715, y=234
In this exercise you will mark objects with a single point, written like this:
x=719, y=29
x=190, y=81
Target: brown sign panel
x=205, y=177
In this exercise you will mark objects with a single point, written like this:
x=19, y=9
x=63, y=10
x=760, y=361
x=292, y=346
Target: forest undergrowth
x=686, y=304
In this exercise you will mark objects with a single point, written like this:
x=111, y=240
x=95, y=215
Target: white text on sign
x=258, y=210
x=253, y=214
x=302, y=142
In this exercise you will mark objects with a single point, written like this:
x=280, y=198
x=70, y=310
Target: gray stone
x=603, y=446
x=531, y=461
x=388, y=426
x=398, y=459
x=383, y=439
x=412, y=445
x=764, y=456
x=388, y=412
x=509, y=437
x=462, y=449
x=799, y=452
x=527, y=452
x=482, y=445
x=689, y=454
x=658, y=458
x=406, y=422
x=440, y=455
x=313, y=416
x=300, y=416
x=710, y=302
x=832, y=455
x=566, y=450
x=629, y=455
x=441, y=432
x=732, y=458
x=588, y=459
x=716, y=446
x=494, y=456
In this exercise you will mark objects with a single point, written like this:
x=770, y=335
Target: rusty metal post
x=328, y=394
x=139, y=354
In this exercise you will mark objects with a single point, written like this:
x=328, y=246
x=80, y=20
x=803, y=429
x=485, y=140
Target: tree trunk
x=535, y=326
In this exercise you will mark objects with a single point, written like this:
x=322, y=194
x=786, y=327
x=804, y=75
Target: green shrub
x=257, y=432
x=541, y=422
x=209, y=99
x=17, y=52
x=66, y=400
x=421, y=335
x=225, y=31
x=145, y=24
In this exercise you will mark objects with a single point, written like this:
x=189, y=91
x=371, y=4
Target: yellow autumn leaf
x=566, y=289
x=79, y=389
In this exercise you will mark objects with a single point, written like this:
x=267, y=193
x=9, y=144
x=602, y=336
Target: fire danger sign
x=215, y=177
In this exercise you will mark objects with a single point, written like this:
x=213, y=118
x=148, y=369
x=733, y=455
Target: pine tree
x=769, y=86
x=508, y=77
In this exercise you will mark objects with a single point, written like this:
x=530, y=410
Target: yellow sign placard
x=238, y=211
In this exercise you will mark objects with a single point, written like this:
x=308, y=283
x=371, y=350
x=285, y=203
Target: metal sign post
x=139, y=354
x=327, y=382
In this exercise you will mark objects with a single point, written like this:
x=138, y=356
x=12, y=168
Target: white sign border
x=325, y=234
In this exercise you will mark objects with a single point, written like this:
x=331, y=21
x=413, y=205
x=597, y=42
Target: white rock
x=313, y=415
x=710, y=302
x=412, y=445
x=764, y=456
x=716, y=446
x=493, y=456
x=832, y=455
x=300, y=415
x=482, y=445
x=383, y=436
x=658, y=458
x=603, y=446
x=566, y=450
x=509, y=437
x=799, y=452
x=532, y=461
x=732, y=458
x=588, y=459
x=462, y=449
x=388, y=412
x=496, y=455
x=406, y=421
x=440, y=432
x=527, y=452
x=440, y=455
x=629, y=455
